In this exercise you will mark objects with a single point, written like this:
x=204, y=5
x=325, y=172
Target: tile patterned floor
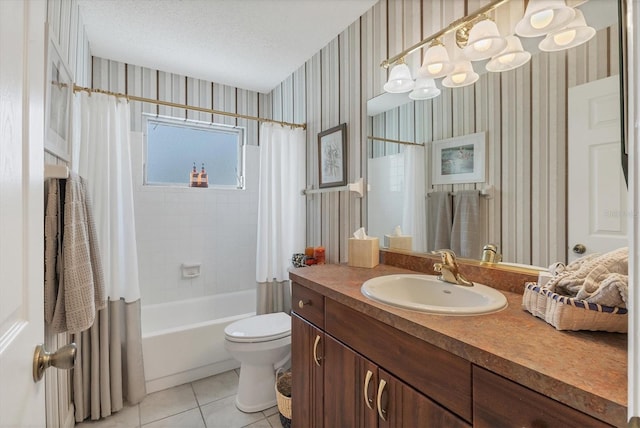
x=206, y=403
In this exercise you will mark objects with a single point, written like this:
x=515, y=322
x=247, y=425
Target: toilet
x=262, y=344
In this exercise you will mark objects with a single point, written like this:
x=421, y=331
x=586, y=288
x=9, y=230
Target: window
x=175, y=145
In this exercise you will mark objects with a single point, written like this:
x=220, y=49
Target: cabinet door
x=307, y=366
x=402, y=406
x=340, y=394
x=499, y=402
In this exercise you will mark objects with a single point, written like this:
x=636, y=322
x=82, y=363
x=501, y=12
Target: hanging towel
x=439, y=220
x=596, y=278
x=465, y=232
x=74, y=279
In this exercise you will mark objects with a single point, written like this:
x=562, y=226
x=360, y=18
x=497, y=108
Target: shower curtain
x=109, y=369
x=414, y=204
x=281, y=214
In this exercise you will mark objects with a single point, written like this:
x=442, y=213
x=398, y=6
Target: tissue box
x=364, y=252
x=403, y=242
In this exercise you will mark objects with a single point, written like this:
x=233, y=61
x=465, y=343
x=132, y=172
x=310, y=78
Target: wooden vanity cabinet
x=333, y=385
x=499, y=402
x=351, y=370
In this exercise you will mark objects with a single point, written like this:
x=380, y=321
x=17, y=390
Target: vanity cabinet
x=335, y=385
x=499, y=402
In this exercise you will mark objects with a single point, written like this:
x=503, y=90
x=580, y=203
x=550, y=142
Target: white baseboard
x=176, y=379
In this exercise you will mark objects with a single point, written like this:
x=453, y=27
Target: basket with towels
x=588, y=294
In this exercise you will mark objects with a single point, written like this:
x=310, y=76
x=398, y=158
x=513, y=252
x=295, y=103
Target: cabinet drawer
x=499, y=402
x=308, y=304
x=434, y=372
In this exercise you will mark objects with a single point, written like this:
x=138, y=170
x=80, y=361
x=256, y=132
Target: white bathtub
x=184, y=341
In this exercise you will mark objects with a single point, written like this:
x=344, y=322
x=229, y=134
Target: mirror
x=524, y=113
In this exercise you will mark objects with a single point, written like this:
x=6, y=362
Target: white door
x=597, y=190
x=21, y=209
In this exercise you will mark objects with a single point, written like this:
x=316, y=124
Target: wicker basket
x=283, y=396
x=567, y=313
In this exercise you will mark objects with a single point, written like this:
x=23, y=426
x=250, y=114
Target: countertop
x=584, y=370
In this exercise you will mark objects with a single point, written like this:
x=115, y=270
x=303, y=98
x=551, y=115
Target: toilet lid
x=260, y=328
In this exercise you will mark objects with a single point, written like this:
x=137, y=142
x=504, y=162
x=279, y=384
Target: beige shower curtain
x=109, y=370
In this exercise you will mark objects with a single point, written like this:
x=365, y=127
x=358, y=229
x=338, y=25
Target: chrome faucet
x=448, y=269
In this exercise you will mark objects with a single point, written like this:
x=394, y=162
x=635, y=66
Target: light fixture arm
x=451, y=27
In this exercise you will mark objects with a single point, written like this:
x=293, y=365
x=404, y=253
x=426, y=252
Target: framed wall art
x=459, y=159
x=332, y=156
x=59, y=87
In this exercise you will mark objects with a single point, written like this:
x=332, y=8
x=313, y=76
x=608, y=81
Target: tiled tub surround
x=584, y=370
x=214, y=227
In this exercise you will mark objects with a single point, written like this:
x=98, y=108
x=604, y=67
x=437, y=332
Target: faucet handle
x=448, y=256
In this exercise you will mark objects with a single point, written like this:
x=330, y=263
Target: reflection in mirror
x=526, y=117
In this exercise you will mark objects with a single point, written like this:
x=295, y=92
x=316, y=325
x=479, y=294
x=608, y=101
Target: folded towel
x=596, y=278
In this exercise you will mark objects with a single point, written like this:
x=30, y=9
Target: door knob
x=579, y=249
x=63, y=358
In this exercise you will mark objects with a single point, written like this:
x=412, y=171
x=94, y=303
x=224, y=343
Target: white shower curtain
x=281, y=213
x=413, y=210
x=110, y=369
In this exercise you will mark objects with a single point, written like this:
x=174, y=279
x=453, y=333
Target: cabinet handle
x=381, y=411
x=367, y=400
x=301, y=303
x=315, y=351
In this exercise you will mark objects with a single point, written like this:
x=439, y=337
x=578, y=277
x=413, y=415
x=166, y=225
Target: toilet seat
x=260, y=328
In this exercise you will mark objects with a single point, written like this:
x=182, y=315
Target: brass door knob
x=579, y=249
x=64, y=358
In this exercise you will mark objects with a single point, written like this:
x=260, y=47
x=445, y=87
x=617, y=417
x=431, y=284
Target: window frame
x=240, y=131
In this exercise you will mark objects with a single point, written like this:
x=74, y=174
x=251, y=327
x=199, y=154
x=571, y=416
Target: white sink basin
x=426, y=293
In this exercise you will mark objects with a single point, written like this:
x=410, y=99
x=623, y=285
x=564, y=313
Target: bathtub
x=183, y=341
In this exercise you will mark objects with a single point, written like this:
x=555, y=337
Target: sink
x=426, y=293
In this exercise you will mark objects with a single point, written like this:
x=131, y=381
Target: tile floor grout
x=212, y=397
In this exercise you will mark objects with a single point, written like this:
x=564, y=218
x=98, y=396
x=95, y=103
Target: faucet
x=448, y=269
x=490, y=254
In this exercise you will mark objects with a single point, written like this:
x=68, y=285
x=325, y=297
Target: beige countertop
x=585, y=370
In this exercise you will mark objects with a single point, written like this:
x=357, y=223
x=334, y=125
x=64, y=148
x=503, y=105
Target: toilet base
x=256, y=389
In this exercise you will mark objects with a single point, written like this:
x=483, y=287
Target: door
x=21, y=209
x=597, y=191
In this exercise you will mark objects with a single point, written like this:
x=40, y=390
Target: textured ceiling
x=249, y=44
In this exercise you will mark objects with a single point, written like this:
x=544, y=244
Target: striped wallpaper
x=523, y=112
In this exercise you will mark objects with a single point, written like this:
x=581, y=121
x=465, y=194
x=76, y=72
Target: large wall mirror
x=542, y=127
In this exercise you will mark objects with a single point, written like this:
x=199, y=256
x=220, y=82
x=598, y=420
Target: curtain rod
x=388, y=140
x=451, y=27
x=77, y=88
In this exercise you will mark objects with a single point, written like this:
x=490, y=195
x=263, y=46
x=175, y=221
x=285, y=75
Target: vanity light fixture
x=574, y=34
x=477, y=38
x=462, y=75
x=425, y=89
x=484, y=41
x=399, y=78
x=513, y=56
x=544, y=16
x=436, y=62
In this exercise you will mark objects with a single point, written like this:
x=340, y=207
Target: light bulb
x=541, y=19
x=435, y=68
x=507, y=58
x=565, y=37
x=458, y=78
x=482, y=45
